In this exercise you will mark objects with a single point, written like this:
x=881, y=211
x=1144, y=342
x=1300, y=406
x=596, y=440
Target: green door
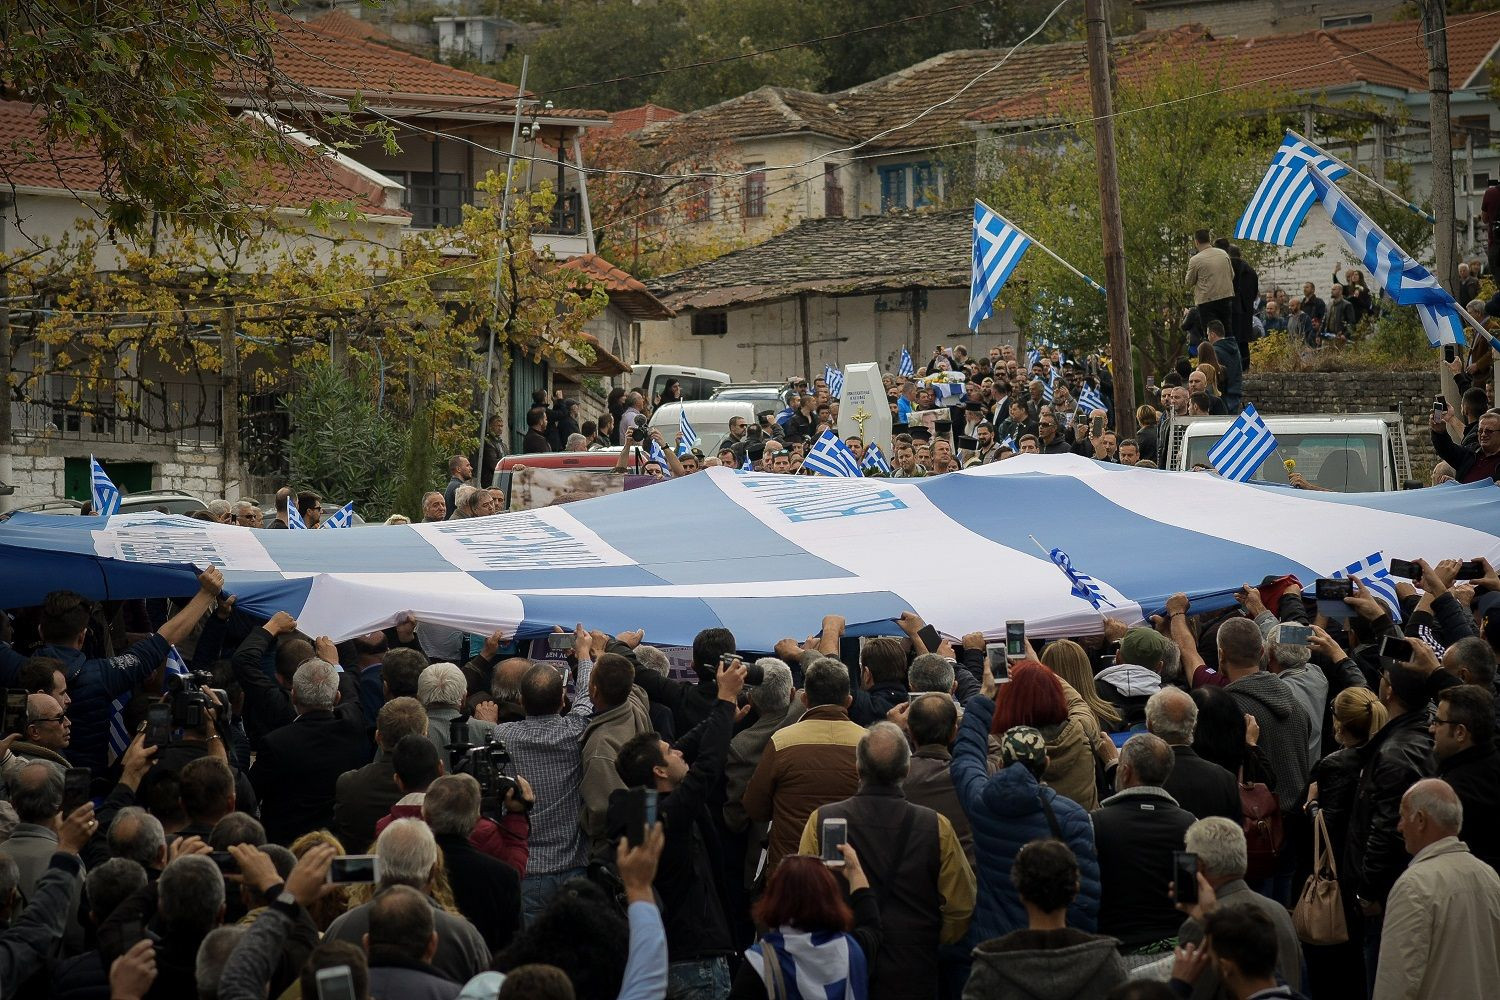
x=526, y=377
x=130, y=477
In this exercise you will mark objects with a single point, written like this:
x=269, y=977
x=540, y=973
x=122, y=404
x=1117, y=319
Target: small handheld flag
x=747, y=465
x=1033, y=358
x=835, y=380
x=875, y=461
x=830, y=456
x=998, y=248
x=176, y=665
x=105, y=494
x=655, y=454
x=1083, y=584
x=1090, y=400
x=1243, y=447
x=1373, y=573
x=341, y=518
x=689, y=436
x=907, y=370
x=293, y=515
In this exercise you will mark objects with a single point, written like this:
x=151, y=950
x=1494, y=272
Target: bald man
x=1441, y=936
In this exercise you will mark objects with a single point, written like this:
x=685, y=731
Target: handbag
x=1263, y=830
x=1319, y=913
x=775, y=983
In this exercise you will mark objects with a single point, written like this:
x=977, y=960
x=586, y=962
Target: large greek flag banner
x=768, y=556
x=1285, y=194
x=998, y=248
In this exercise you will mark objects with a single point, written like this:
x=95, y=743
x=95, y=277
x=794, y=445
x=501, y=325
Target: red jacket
x=505, y=840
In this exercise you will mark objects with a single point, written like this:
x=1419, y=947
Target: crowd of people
x=1127, y=814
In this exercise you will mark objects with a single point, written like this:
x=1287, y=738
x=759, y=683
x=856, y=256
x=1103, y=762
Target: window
x=432, y=202
x=1347, y=20
x=924, y=185
x=833, y=192
x=755, y=191
x=700, y=202
x=710, y=324
x=1476, y=127
x=892, y=188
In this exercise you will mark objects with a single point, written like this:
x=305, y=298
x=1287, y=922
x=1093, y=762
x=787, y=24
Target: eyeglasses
x=60, y=718
x=1446, y=722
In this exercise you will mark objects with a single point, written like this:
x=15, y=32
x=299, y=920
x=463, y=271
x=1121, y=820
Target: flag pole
x=1048, y=251
x=1366, y=178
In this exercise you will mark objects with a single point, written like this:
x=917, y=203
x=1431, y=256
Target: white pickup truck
x=1343, y=452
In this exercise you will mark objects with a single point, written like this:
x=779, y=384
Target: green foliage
x=720, y=29
x=1395, y=342
x=421, y=466
x=342, y=446
x=1183, y=165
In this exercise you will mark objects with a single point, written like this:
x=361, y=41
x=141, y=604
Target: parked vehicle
x=1343, y=452
x=696, y=383
x=161, y=501
x=710, y=420
x=765, y=395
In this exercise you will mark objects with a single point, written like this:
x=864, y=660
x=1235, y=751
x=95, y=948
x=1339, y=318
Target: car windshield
x=1344, y=463
x=752, y=394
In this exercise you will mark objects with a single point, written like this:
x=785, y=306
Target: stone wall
x=38, y=463
x=1355, y=392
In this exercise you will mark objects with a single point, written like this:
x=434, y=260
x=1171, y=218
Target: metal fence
x=123, y=411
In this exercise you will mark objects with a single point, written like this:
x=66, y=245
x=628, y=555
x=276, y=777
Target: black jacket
x=1202, y=787
x=1396, y=758
x=486, y=890
x=298, y=770
x=1462, y=459
x=1135, y=833
x=268, y=705
x=685, y=878
x=361, y=798
x=1475, y=775
x=689, y=703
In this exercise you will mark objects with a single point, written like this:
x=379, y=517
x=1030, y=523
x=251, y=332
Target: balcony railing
x=431, y=206
x=127, y=413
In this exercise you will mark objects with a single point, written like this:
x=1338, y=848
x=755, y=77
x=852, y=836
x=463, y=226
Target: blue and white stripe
x=785, y=551
x=830, y=456
x=835, y=380
x=341, y=518
x=1090, y=400
x=1373, y=573
x=907, y=369
x=104, y=493
x=875, y=461
x=685, y=428
x=1083, y=585
x=1243, y=447
x=998, y=248
x=1286, y=192
x=655, y=454
x=293, y=515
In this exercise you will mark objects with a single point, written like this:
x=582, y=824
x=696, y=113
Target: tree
x=333, y=409
x=736, y=32
x=144, y=82
x=1186, y=164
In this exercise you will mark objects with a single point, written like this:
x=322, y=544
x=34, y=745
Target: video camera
x=185, y=695
x=485, y=763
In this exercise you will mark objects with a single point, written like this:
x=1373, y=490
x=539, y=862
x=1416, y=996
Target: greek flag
x=998, y=248
x=293, y=515
x=835, y=380
x=747, y=465
x=1243, y=447
x=176, y=665
x=830, y=456
x=1090, y=400
x=1009, y=441
x=1033, y=358
x=105, y=494
x=826, y=965
x=341, y=518
x=1391, y=270
x=875, y=461
x=907, y=369
x=1373, y=573
x=785, y=415
x=948, y=388
x=1083, y=584
x=119, y=736
x=689, y=436
x=1047, y=386
x=655, y=454
x=1286, y=192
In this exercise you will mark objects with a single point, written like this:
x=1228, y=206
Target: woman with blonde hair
x=1357, y=716
x=1068, y=661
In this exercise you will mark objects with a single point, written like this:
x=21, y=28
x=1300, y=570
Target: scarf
x=822, y=966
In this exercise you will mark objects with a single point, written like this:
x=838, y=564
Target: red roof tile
x=624, y=289
x=634, y=119
x=75, y=168
x=343, y=25
x=1391, y=54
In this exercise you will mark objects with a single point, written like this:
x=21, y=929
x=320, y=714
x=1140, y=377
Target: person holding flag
x=103, y=492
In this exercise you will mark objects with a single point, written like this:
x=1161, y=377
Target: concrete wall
x=1355, y=392
x=764, y=342
x=1252, y=18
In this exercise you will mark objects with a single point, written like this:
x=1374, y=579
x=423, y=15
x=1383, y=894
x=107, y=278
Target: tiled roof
x=343, y=25
x=831, y=257
x=635, y=119
x=625, y=290
x=74, y=168
x=860, y=112
x=1391, y=54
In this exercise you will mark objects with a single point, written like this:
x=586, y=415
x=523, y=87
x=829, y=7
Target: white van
x=696, y=383
x=1343, y=452
x=710, y=421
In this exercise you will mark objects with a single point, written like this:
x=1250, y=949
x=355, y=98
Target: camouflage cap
x=1024, y=745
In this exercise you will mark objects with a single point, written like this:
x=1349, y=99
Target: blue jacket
x=1005, y=813
x=93, y=684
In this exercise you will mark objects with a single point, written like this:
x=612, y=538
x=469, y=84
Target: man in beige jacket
x=622, y=711
x=1441, y=936
x=1210, y=275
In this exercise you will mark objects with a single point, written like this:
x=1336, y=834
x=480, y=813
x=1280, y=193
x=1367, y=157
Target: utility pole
x=1444, y=243
x=1112, y=230
x=229, y=405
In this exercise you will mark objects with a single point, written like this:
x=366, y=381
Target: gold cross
x=859, y=417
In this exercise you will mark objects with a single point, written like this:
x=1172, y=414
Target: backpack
x=1263, y=830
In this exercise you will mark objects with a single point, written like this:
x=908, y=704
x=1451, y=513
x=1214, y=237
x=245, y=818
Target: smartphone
x=1295, y=635
x=77, y=788
x=560, y=641
x=225, y=862
x=835, y=835
x=159, y=724
x=640, y=814
x=1405, y=569
x=930, y=638
x=1150, y=381
x=1185, y=876
x=1098, y=421
x=999, y=661
x=1333, y=590
x=1396, y=648
x=1439, y=404
x=354, y=868
x=1449, y=353
x=1471, y=570
x=335, y=983
x=1015, y=639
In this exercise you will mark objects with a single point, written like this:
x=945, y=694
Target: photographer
x=197, y=733
x=486, y=891
x=635, y=438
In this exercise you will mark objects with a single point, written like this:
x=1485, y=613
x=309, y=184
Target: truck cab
x=1342, y=452
x=696, y=383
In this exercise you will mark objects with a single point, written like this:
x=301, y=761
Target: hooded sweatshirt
x=1045, y=965
x=1285, y=731
x=1128, y=686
